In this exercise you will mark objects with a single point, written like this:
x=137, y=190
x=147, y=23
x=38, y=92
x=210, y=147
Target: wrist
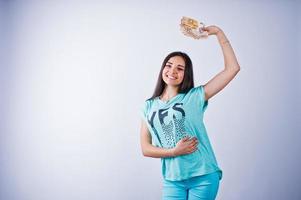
x=173, y=152
x=222, y=37
x=219, y=33
x=224, y=42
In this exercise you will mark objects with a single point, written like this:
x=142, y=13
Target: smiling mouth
x=171, y=77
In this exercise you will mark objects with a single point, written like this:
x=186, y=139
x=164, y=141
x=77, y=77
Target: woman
x=172, y=127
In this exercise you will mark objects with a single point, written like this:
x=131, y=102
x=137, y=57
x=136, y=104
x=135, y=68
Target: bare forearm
x=157, y=152
x=230, y=60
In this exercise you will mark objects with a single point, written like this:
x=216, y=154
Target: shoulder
x=198, y=90
x=197, y=94
x=148, y=103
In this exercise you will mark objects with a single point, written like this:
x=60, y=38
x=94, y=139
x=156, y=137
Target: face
x=173, y=71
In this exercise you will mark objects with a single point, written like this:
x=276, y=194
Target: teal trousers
x=203, y=187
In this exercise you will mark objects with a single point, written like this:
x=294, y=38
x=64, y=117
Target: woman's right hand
x=212, y=30
x=185, y=146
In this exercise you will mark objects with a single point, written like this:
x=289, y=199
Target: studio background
x=74, y=76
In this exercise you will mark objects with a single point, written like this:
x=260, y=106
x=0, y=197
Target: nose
x=173, y=70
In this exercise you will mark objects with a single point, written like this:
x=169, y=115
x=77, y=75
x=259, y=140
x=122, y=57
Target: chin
x=171, y=83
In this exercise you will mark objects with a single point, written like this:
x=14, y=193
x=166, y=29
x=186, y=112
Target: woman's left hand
x=212, y=30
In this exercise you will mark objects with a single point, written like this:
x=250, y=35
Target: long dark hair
x=187, y=82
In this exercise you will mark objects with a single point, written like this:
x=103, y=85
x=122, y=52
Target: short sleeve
x=200, y=93
x=143, y=110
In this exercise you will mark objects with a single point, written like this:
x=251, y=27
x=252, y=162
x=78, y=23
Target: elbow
x=145, y=153
x=146, y=149
x=237, y=69
x=234, y=69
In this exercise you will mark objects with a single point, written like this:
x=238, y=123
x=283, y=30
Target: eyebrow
x=178, y=65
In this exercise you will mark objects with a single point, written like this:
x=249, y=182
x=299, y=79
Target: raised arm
x=219, y=81
x=184, y=146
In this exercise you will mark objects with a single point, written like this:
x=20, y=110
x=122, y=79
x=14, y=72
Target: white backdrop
x=75, y=75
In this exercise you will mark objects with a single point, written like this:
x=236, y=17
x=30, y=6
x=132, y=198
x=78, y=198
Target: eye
x=180, y=69
x=168, y=66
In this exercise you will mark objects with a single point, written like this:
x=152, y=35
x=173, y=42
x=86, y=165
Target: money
x=192, y=28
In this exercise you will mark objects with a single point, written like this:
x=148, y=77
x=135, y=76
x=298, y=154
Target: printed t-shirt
x=170, y=121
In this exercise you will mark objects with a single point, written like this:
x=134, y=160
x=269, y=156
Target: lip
x=171, y=77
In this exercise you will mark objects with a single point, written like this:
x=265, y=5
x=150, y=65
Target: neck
x=169, y=92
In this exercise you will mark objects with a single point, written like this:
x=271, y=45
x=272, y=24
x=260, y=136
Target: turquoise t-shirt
x=170, y=121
